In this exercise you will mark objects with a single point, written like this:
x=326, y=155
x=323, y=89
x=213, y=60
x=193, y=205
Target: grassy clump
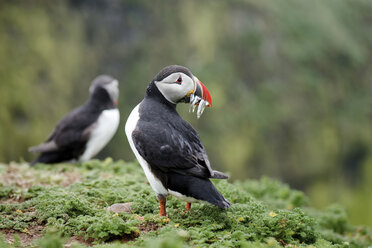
x=71, y=200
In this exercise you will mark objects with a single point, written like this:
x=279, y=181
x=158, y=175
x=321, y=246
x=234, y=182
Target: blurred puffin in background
x=86, y=130
x=167, y=147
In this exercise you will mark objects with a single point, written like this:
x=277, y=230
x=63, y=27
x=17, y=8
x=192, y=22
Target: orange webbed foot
x=188, y=207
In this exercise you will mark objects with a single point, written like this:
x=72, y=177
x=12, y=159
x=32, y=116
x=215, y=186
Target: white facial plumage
x=112, y=89
x=175, y=86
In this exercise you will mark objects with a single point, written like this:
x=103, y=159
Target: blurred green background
x=290, y=81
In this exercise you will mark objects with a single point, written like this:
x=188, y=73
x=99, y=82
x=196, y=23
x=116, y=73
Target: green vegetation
x=48, y=206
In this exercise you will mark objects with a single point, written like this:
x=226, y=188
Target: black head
x=109, y=84
x=168, y=70
x=176, y=83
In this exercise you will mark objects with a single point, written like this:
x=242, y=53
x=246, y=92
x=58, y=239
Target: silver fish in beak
x=199, y=97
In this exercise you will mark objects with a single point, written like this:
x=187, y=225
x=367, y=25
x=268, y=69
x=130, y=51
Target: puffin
x=167, y=147
x=86, y=130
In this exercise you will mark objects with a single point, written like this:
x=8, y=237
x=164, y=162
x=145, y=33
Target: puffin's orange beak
x=202, y=92
x=200, y=97
x=205, y=94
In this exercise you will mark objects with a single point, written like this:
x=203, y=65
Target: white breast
x=104, y=130
x=131, y=124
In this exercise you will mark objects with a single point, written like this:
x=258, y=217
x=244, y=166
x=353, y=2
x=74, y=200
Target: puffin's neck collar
x=153, y=92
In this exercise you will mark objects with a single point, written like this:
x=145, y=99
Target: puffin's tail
x=48, y=158
x=39, y=159
x=219, y=175
x=33, y=162
x=198, y=188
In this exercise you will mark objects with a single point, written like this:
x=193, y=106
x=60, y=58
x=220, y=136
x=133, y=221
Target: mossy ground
x=65, y=205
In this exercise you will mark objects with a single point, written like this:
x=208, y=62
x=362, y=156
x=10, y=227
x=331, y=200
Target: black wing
x=73, y=130
x=75, y=127
x=173, y=149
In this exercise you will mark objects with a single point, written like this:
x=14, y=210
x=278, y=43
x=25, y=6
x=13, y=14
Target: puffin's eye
x=179, y=80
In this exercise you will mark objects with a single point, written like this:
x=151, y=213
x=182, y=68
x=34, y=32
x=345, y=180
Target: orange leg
x=162, y=201
x=188, y=207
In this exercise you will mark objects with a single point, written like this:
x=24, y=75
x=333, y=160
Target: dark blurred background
x=290, y=81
